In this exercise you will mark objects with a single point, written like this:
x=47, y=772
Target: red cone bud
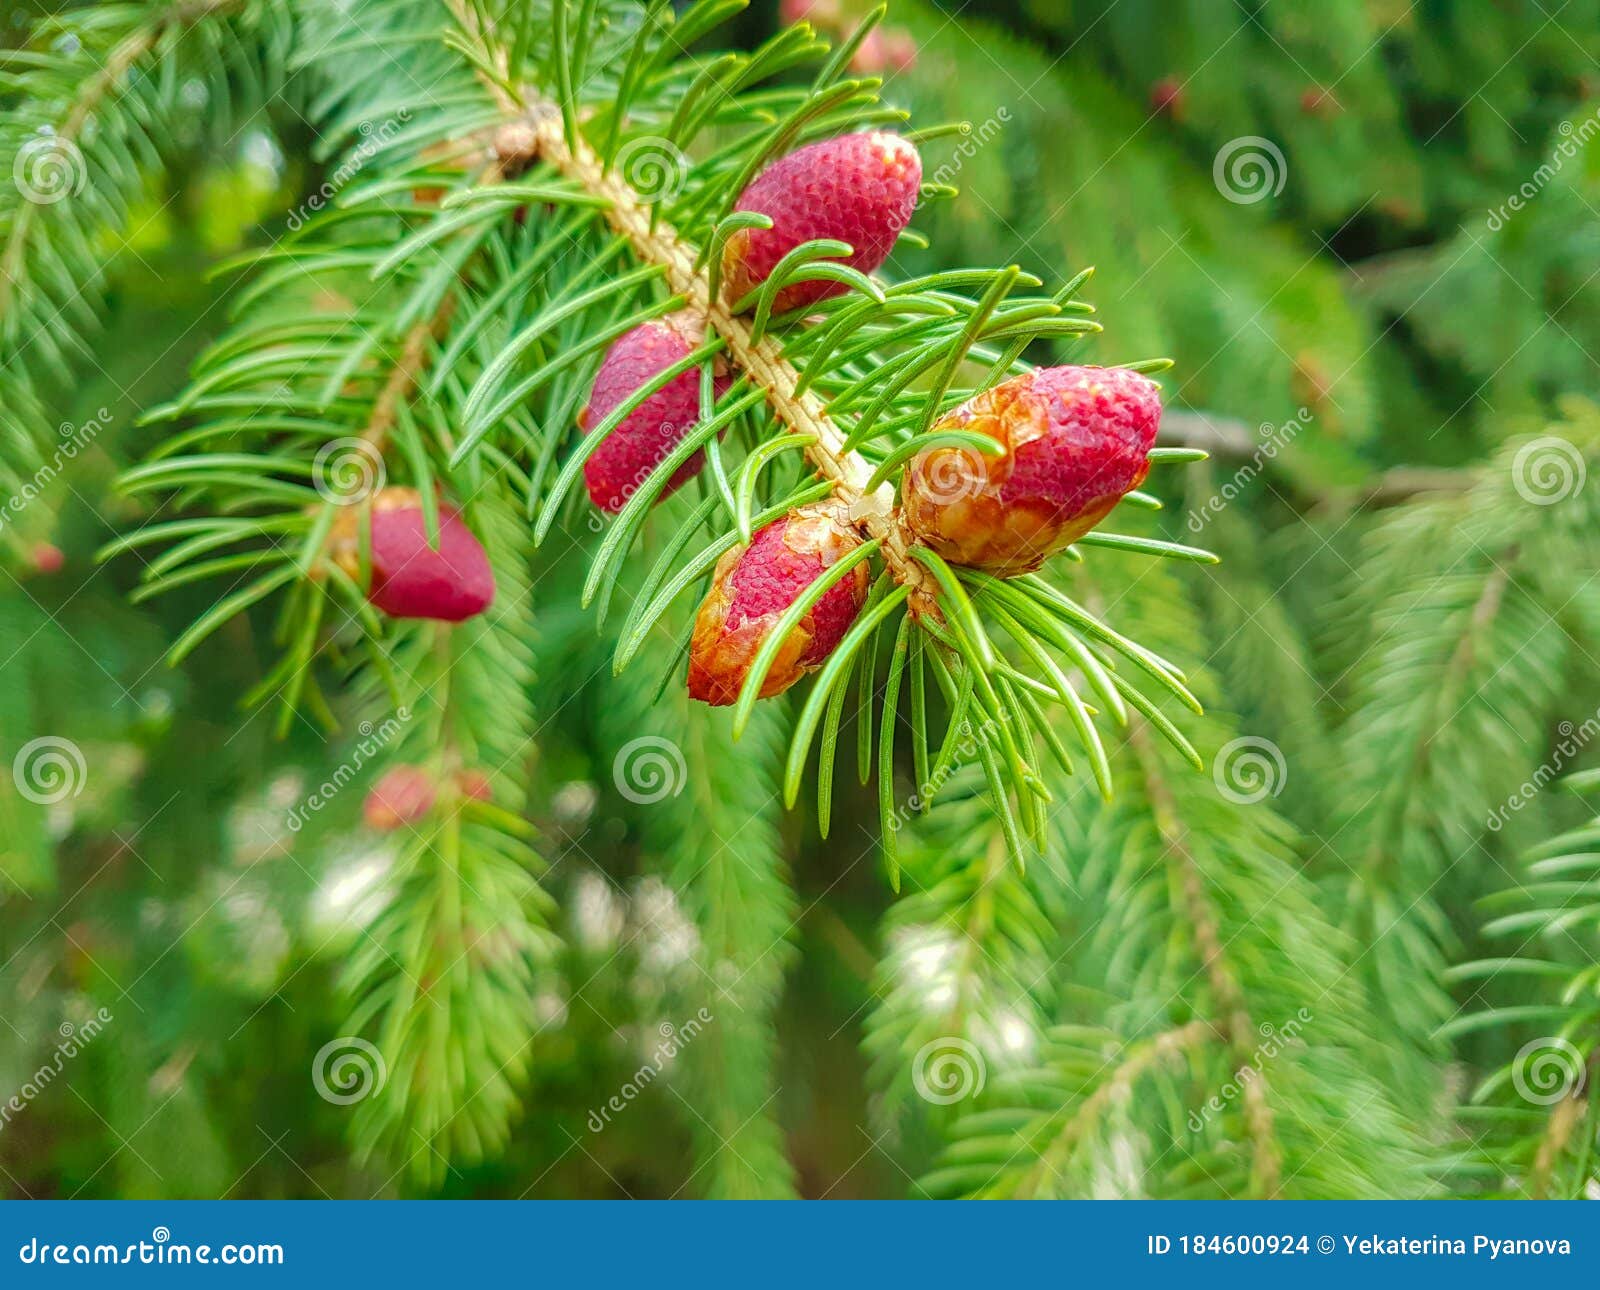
x=753, y=586
x=634, y=448
x=473, y=784
x=820, y=13
x=860, y=189
x=869, y=58
x=1318, y=100
x=1167, y=97
x=410, y=578
x=402, y=796
x=1073, y=439
x=900, y=48
x=46, y=558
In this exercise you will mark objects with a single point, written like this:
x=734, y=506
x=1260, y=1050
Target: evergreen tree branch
x=655, y=241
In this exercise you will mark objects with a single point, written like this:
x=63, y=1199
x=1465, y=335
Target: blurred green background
x=1353, y=270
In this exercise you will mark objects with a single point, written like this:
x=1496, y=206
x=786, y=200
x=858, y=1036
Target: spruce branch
x=128, y=52
x=551, y=136
x=1234, y=1020
x=1161, y=1049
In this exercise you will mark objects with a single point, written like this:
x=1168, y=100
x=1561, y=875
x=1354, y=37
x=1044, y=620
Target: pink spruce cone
x=46, y=558
x=627, y=455
x=410, y=578
x=402, y=796
x=751, y=588
x=1074, y=440
x=860, y=189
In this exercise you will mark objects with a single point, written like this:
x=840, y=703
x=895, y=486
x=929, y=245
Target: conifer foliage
x=626, y=390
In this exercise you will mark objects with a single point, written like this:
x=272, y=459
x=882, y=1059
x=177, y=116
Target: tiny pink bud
x=46, y=558
x=402, y=796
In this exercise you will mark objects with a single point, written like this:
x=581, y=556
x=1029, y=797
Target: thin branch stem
x=94, y=92
x=1141, y=1056
x=655, y=241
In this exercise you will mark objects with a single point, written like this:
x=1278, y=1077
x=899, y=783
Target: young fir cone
x=751, y=588
x=1073, y=441
x=402, y=795
x=410, y=578
x=634, y=448
x=860, y=189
